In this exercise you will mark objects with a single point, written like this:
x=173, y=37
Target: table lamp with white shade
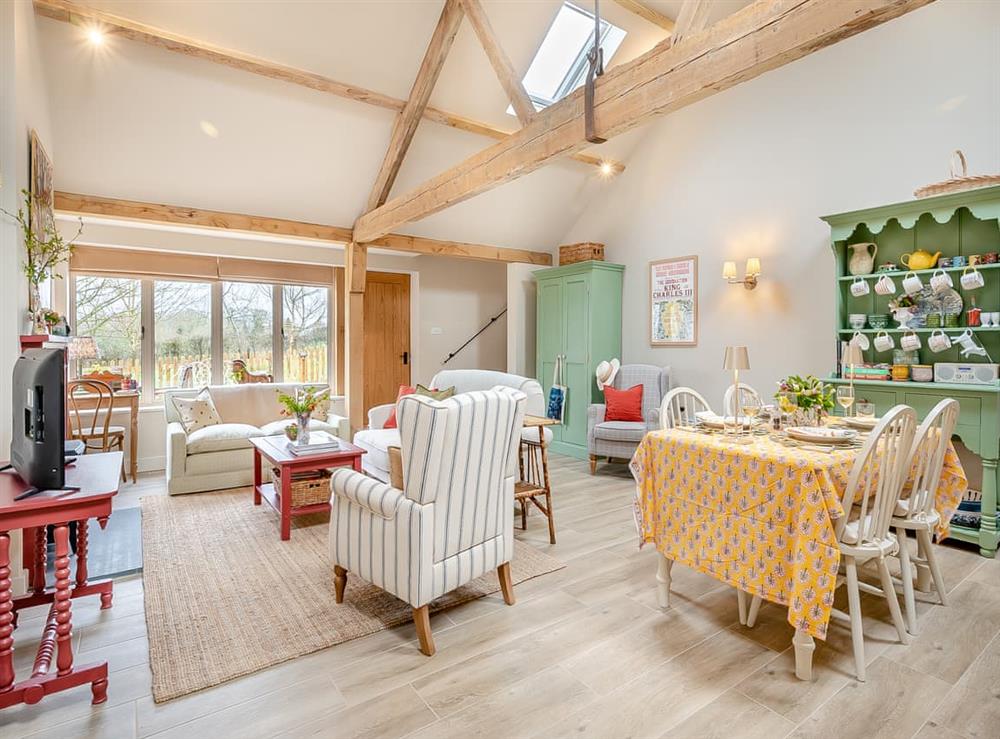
x=852, y=357
x=736, y=358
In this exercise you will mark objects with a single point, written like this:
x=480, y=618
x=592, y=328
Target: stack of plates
x=865, y=424
x=822, y=434
x=713, y=421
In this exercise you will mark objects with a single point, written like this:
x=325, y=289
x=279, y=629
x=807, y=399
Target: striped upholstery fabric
x=455, y=519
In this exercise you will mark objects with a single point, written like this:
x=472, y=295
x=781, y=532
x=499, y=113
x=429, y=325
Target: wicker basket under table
x=307, y=487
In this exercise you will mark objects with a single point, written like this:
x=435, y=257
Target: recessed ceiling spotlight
x=96, y=36
x=209, y=129
x=607, y=169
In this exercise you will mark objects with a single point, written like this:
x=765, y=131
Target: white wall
x=23, y=106
x=521, y=300
x=749, y=171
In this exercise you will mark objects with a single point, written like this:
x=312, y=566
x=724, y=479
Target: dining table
x=757, y=513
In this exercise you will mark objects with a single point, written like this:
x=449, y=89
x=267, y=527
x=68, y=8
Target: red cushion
x=623, y=405
x=403, y=390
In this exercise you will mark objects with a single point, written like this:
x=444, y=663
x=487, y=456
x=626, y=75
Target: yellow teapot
x=919, y=259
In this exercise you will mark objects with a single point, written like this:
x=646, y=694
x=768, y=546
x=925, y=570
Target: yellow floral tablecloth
x=757, y=516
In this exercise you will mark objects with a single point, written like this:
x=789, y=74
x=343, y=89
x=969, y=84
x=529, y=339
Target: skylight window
x=560, y=65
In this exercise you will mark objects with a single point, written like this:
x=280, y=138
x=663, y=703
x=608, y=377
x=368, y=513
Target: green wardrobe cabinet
x=579, y=317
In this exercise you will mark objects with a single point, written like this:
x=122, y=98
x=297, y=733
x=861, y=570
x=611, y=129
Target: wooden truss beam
x=409, y=118
x=758, y=38
x=647, y=13
x=692, y=18
x=509, y=79
x=69, y=12
x=131, y=210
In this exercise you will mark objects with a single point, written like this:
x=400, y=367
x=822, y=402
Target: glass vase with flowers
x=302, y=404
x=811, y=398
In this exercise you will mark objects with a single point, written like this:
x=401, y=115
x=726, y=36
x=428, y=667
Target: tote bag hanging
x=557, y=394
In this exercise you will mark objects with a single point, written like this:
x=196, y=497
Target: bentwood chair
x=863, y=535
x=917, y=513
x=747, y=395
x=90, y=422
x=679, y=407
x=453, y=519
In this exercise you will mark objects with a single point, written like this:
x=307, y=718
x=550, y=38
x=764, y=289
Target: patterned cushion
x=431, y=392
x=620, y=431
x=198, y=412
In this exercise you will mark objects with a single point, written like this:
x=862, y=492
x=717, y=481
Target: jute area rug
x=225, y=597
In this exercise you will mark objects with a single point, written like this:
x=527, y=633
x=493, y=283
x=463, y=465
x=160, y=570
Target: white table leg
x=752, y=614
x=663, y=568
x=741, y=603
x=804, y=647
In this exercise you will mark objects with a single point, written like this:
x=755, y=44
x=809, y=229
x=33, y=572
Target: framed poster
x=673, y=302
x=41, y=215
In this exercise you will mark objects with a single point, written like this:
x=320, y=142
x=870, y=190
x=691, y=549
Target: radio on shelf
x=966, y=374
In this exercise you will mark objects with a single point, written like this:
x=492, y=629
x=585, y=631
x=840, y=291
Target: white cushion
x=198, y=412
x=377, y=442
x=850, y=536
x=221, y=437
x=530, y=433
x=903, y=509
x=275, y=428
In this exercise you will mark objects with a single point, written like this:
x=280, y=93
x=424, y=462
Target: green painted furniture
x=956, y=224
x=579, y=316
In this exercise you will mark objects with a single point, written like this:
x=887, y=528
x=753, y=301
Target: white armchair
x=454, y=518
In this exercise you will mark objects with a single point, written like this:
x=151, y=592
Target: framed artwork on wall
x=673, y=302
x=41, y=216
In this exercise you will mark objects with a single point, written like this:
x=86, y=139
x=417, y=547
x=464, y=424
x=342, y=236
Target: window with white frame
x=168, y=333
x=560, y=64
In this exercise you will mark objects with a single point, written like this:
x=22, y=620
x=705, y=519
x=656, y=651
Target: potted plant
x=813, y=398
x=302, y=404
x=45, y=249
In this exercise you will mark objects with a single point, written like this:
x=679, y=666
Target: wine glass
x=845, y=398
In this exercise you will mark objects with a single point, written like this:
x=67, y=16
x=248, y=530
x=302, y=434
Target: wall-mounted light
x=752, y=273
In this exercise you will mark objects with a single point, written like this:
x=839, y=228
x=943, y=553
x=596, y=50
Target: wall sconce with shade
x=752, y=272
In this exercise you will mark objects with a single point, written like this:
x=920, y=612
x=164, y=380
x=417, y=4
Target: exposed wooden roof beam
x=132, y=210
x=754, y=40
x=509, y=79
x=692, y=18
x=647, y=13
x=409, y=118
x=68, y=12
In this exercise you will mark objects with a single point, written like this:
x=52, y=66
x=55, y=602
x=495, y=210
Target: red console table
x=97, y=476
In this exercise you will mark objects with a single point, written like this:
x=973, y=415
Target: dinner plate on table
x=714, y=421
x=822, y=434
x=865, y=424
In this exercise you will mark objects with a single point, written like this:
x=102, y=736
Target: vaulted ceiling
x=133, y=121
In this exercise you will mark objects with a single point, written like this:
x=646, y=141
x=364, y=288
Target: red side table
x=97, y=476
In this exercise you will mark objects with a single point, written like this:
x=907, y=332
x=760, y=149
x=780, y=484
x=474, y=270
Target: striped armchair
x=454, y=518
x=619, y=439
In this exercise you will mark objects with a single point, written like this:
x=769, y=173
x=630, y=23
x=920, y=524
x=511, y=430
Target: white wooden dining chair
x=747, y=396
x=679, y=407
x=863, y=535
x=917, y=513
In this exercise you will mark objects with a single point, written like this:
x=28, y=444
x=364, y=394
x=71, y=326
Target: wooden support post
x=340, y=353
x=357, y=267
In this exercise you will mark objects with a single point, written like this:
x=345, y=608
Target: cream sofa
x=376, y=440
x=220, y=456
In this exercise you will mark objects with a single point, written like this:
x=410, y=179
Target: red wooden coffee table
x=275, y=450
x=97, y=476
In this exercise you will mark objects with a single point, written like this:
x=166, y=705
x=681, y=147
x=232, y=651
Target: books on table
x=319, y=442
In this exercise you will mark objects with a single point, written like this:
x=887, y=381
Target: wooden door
x=387, y=336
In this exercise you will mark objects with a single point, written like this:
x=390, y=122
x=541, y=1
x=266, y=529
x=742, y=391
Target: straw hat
x=607, y=371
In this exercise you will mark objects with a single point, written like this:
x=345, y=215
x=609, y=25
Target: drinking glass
x=845, y=398
x=864, y=409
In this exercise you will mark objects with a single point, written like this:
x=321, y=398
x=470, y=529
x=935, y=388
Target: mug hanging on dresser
x=861, y=341
x=885, y=286
x=912, y=284
x=909, y=341
x=938, y=341
x=859, y=288
x=971, y=280
x=941, y=281
x=883, y=342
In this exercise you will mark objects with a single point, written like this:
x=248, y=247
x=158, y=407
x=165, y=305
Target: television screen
x=39, y=424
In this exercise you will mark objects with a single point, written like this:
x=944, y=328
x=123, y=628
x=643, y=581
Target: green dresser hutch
x=963, y=223
x=579, y=316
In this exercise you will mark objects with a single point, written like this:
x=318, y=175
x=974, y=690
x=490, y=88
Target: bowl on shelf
x=922, y=373
x=878, y=320
x=857, y=321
